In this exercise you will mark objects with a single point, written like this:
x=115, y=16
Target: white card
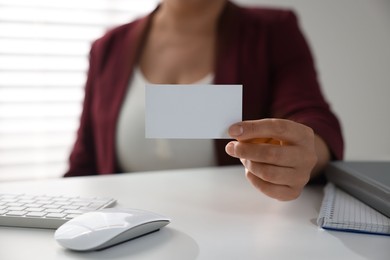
x=191, y=111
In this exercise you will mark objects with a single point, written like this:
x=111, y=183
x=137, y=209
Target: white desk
x=216, y=214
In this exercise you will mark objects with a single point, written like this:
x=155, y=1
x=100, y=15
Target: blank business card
x=191, y=111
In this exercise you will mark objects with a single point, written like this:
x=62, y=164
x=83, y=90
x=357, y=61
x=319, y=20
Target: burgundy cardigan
x=261, y=48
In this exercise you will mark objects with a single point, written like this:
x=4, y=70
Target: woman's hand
x=279, y=155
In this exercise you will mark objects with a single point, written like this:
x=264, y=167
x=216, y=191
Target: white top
x=136, y=153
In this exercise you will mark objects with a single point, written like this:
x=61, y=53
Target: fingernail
x=236, y=130
x=230, y=148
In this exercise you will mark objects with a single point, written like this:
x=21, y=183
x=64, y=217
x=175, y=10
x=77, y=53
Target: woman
x=183, y=42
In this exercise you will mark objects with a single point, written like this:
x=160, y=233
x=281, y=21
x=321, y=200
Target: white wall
x=350, y=40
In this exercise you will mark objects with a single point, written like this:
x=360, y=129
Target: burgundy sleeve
x=82, y=157
x=297, y=95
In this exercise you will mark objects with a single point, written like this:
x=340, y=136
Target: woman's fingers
x=279, y=129
x=275, y=174
x=286, y=155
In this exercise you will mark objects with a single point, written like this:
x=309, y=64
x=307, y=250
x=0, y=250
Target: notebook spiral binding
x=325, y=210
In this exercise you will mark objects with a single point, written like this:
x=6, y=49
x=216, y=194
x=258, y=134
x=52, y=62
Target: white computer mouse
x=107, y=227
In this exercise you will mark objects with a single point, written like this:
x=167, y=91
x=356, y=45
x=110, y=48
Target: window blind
x=44, y=46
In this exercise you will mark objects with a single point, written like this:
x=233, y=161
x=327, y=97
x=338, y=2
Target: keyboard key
x=70, y=207
x=36, y=214
x=80, y=203
x=86, y=209
x=14, y=204
x=43, y=202
x=16, y=213
x=71, y=211
x=16, y=208
x=56, y=215
x=26, y=201
x=33, y=205
x=62, y=203
x=54, y=210
x=51, y=206
x=34, y=209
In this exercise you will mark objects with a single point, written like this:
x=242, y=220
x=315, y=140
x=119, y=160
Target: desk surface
x=216, y=214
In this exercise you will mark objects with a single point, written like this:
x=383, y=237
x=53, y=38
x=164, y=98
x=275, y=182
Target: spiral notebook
x=343, y=212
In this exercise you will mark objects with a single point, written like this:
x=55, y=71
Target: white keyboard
x=44, y=211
